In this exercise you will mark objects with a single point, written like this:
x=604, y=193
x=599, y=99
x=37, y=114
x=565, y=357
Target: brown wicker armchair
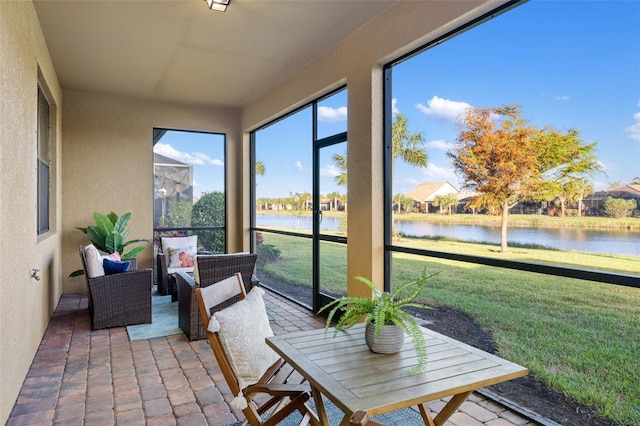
x=210, y=269
x=162, y=274
x=119, y=299
x=165, y=273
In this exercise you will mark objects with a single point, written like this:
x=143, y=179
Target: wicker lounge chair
x=210, y=269
x=119, y=299
x=165, y=273
x=262, y=383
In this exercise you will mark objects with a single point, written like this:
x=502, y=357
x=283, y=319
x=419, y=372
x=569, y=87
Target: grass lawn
x=579, y=337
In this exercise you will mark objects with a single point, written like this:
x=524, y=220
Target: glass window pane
x=333, y=186
x=285, y=265
x=189, y=187
x=587, y=332
x=44, y=150
x=332, y=114
x=557, y=327
x=434, y=91
x=333, y=269
x=283, y=153
x=43, y=161
x=43, y=198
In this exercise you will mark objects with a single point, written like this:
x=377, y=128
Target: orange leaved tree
x=505, y=160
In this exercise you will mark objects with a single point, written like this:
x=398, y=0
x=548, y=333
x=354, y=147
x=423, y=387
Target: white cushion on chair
x=221, y=291
x=93, y=261
x=244, y=326
x=173, y=245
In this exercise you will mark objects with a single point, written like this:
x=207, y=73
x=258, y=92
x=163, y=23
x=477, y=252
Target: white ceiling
x=179, y=51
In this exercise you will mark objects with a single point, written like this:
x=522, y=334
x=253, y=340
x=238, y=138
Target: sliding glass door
x=299, y=220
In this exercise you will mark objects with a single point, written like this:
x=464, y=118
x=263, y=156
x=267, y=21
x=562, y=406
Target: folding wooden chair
x=237, y=324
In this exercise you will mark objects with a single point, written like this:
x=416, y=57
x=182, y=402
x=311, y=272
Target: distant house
x=425, y=193
x=594, y=202
x=463, y=199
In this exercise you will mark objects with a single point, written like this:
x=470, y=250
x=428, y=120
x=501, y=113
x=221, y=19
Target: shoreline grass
x=623, y=264
x=578, y=337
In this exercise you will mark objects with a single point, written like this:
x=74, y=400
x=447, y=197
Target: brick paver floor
x=79, y=376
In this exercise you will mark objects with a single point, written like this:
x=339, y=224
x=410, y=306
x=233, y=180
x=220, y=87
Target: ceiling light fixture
x=219, y=5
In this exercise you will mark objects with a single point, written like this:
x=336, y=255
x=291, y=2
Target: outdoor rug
x=164, y=320
x=402, y=417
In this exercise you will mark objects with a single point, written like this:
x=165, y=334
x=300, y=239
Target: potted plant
x=109, y=235
x=386, y=321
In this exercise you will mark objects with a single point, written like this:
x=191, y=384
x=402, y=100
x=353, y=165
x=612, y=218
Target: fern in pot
x=385, y=320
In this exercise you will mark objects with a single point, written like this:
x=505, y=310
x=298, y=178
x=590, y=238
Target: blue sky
x=568, y=64
x=204, y=151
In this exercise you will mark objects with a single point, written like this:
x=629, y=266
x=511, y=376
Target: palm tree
x=341, y=164
x=333, y=200
x=260, y=168
x=581, y=188
x=445, y=201
x=409, y=147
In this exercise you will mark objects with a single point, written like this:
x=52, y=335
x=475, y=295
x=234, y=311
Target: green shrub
x=209, y=211
x=267, y=253
x=619, y=207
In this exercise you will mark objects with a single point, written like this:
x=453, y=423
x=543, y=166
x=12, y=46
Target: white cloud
x=561, y=98
x=444, y=108
x=439, y=145
x=436, y=173
x=196, y=158
x=633, y=131
x=299, y=166
x=394, y=109
x=404, y=185
x=329, y=170
x=332, y=115
x=600, y=186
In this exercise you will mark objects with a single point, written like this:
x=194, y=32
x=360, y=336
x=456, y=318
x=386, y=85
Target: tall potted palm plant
x=109, y=235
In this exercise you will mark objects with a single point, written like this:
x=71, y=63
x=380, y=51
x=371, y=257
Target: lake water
x=587, y=240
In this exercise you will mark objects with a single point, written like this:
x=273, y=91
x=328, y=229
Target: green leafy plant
x=109, y=235
x=384, y=309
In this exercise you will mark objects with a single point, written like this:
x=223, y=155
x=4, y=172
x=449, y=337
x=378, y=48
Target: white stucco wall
x=25, y=303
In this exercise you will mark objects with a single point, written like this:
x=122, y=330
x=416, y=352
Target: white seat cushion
x=180, y=253
x=174, y=270
x=93, y=261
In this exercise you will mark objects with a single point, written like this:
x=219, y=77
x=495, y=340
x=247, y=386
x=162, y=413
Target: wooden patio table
x=343, y=369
